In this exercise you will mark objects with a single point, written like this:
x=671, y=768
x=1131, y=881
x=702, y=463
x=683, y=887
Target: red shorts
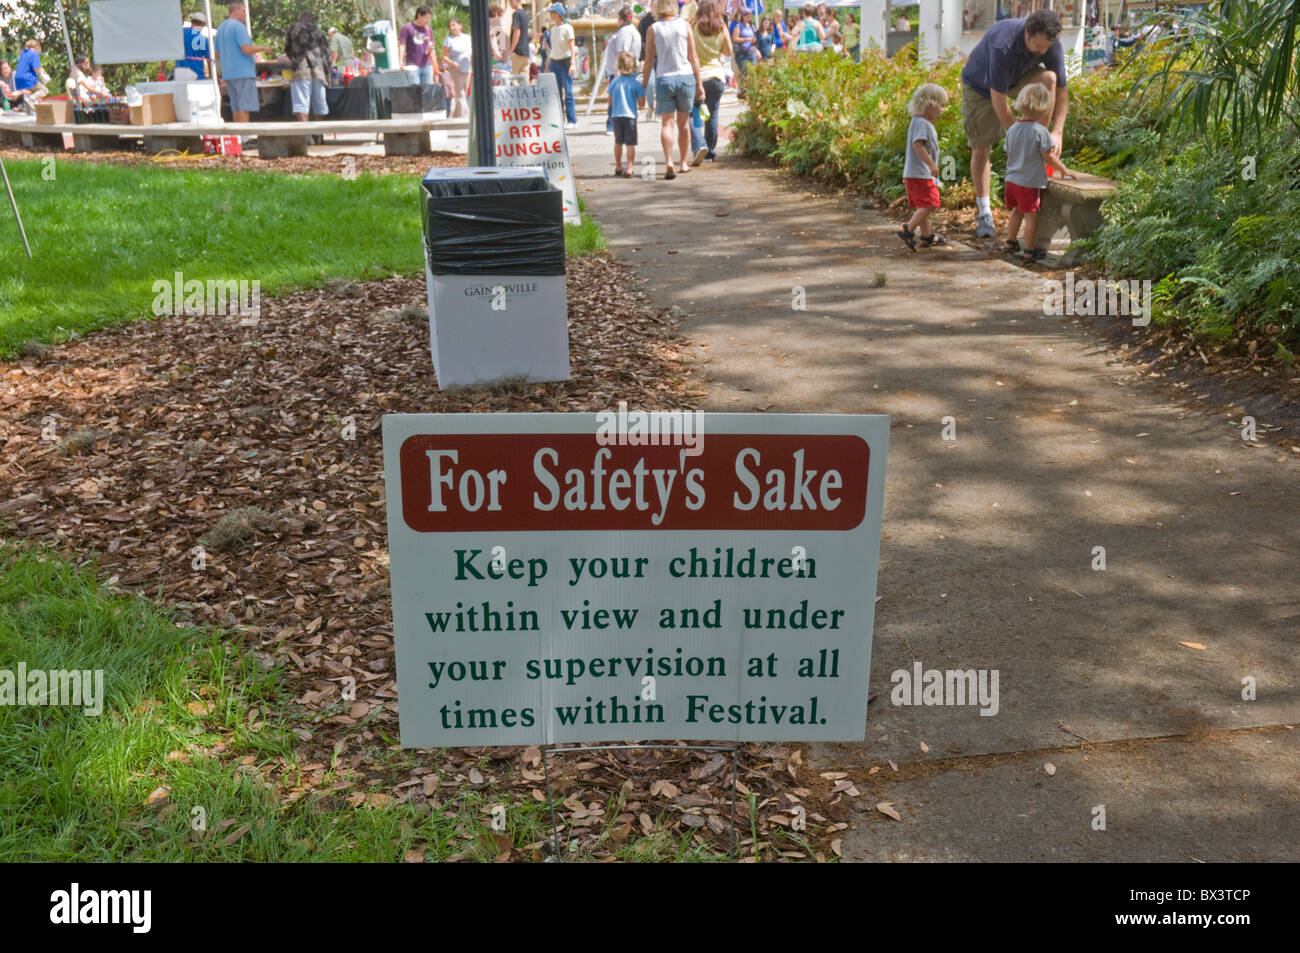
x=1022, y=198
x=922, y=193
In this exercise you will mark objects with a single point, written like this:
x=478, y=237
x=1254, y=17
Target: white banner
x=654, y=576
x=529, y=125
x=137, y=31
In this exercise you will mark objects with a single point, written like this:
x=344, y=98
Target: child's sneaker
x=908, y=236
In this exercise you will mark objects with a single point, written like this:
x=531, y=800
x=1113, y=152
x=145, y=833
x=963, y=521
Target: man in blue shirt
x=1012, y=54
x=196, y=46
x=235, y=51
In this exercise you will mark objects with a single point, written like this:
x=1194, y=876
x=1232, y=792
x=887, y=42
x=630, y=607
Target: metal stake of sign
x=550, y=800
x=14, y=205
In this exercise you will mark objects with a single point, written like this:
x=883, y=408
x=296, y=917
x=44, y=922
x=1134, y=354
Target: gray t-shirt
x=920, y=128
x=1026, y=143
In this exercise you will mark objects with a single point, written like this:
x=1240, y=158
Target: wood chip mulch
x=132, y=444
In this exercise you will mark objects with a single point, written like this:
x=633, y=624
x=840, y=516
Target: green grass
x=74, y=786
x=585, y=238
x=103, y=234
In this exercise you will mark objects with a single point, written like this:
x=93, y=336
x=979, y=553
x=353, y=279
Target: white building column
x=939, y=28
x=873, y=15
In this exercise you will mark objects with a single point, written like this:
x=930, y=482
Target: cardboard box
x=51, y=112
x=157, y=108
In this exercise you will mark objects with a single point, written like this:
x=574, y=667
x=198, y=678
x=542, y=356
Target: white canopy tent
x=141, y=31
x=136, y=31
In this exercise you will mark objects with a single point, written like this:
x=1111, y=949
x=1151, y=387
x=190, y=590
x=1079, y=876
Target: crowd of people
x=686, y=54
x=675, y=62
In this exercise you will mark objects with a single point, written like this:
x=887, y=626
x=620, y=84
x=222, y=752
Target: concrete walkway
x=987, y=555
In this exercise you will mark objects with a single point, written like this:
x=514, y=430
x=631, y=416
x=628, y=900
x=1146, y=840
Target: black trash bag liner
x=479, y=180
x=416, y=99
x=493, y=221
x=519, y=234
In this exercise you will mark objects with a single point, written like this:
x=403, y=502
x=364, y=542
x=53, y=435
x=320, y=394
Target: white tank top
x=670, y=47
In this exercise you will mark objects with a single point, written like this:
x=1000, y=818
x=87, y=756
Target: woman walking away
x=670, y=51
x=712, y=42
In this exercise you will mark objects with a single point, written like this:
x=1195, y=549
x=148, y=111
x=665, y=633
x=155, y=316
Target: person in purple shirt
x=415, y=46
x=1012, y=54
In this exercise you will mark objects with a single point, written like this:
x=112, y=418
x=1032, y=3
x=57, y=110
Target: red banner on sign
x=522, y=482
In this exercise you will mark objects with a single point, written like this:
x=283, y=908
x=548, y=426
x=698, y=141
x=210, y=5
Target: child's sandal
x=908, y=236
x=932, y=240
x=1011, y=246
x=1031, y=255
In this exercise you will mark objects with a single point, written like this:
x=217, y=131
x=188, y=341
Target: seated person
x=80, y=85
x=97, y=82
x=15, y=98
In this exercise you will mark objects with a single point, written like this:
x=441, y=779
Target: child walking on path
x=626, y=94
x=921, y=165
x=1029, y=146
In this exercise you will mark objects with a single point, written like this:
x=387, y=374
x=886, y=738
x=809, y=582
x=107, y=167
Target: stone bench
x=1072, y=207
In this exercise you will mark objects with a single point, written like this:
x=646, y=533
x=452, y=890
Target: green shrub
x=824, y=115
x=1223, y=245
x=828, y=117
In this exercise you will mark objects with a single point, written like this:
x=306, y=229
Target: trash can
x=494, y=266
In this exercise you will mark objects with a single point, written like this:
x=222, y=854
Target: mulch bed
x=132, y=444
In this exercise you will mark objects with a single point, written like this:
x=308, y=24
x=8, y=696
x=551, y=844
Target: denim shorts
x=305, y=91
x=675, y=93
x=243, y=94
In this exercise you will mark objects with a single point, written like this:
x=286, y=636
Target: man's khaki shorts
x=983, y=128
x=518, y=64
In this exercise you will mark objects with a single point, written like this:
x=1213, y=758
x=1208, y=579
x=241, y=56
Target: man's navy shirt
x=1001, y=58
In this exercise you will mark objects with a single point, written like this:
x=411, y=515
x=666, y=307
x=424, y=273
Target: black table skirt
x=366, y=97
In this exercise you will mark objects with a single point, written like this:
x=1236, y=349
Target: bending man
x=1012, y=54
